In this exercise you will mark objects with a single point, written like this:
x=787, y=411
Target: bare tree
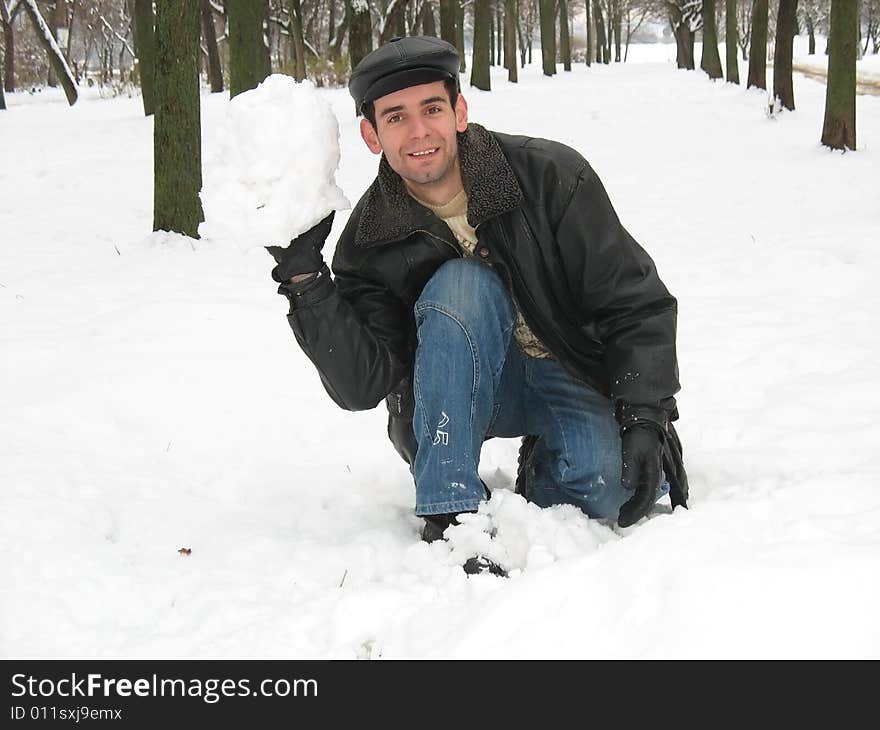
x=758, y=46
x=710, y=61
x=730, y=40
x=547, y=10
x=56, y=57
x=839, y=128
x=209, y=33
x=786, y=28
x=145, y=45
x=510, y=39
x=564, y=35
x=177, y=155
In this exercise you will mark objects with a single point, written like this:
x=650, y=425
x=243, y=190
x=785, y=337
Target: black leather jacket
x=544, y=222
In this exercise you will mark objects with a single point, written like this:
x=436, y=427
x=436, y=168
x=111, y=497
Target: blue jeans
x=472, y=382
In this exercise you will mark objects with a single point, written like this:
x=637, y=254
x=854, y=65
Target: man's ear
x=460, y=114
x=369, y=135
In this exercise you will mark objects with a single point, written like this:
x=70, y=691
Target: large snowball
x=269, y=174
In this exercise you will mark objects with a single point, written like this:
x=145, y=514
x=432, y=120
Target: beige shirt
x=454, y=214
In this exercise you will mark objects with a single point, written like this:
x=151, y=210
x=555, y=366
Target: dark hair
x=368, y=109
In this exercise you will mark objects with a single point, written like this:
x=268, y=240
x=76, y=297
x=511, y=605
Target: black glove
x=303, y=255
x=642, y=448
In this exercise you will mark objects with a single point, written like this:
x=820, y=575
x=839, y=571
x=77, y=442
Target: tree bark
x=839, y=128
x=589, y=51
x=510, y=40
x=145, y=47
x=9, y=49
x=499, y=27
x=360, y=34
x=56, y=57
x=429, y=26
x=786, y=28
x=710, y=61
x=601, y=56
x=547, y=10
x=299, y=48
x=391, y=29
x=564, y=36
x=730, y=39
x=758, y=47
x=482, y=31
x=248, y=54
x=215, y=72
x=177, y=147
x=811, y=32
x=58, y=28
x=448, y=15
x=491, y=38
x=459, y=36
x=616, y=22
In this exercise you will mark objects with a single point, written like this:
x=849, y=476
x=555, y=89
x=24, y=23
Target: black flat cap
x=401, y=63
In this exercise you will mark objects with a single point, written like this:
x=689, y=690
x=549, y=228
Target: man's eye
x=434, y=109
x=394, y=118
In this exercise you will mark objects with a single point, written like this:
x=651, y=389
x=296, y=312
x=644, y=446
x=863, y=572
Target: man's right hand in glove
x=302, y=258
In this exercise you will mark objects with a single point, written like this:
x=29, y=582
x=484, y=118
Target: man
x=483, y=286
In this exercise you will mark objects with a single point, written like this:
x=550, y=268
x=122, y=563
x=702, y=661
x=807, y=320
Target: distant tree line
x=169, y=47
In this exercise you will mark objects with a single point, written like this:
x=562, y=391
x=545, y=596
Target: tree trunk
x=448, y=15
x=617, y=15
x=429, y=27
x=589, y=51
x=360, y=34
x=491, y=37
x=758, y=47
x=547, y=10
x=811, y=32
x=510, y=39
x=396, y=10
x=56, y=57
x=145, y=47
x=459, y=36
x=331, y=21
x=9, y=49
x=482, y=31
x=600, y=33
x=215, y=73
x=684, y=38
x=786, y=28
x=499, y=27
x=564, y=36
x=730, y=39
x=58, y=29
x=177, y=147
x=299, y=46
x=710, y=61
x=248, y=60
x=839, y=129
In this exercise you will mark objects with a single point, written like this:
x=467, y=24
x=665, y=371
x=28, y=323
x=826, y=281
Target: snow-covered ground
x=153, y=398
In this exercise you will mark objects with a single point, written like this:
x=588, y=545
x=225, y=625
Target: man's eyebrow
x=424, y=102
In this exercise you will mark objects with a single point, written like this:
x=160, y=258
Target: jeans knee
x=467, y=289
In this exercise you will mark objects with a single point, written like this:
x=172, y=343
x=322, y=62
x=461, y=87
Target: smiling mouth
x=424, y=153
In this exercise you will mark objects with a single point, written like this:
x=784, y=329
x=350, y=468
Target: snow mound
x=269, y=172
x=519, y=535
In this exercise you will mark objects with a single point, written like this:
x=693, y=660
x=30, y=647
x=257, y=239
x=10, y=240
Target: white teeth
x=423, y=152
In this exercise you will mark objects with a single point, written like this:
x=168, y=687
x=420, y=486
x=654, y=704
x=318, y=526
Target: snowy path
x=156, y=400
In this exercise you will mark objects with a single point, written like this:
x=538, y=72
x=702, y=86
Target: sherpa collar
x=390, y=212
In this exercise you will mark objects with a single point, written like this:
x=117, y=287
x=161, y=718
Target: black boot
x=435, y=525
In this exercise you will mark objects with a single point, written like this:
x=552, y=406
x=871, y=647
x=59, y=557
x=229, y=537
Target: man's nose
x=418, y=128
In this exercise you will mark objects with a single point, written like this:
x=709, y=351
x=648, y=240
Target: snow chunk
x=270, y=172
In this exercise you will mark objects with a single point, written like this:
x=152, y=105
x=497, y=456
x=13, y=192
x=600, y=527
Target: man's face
x=415, y=128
